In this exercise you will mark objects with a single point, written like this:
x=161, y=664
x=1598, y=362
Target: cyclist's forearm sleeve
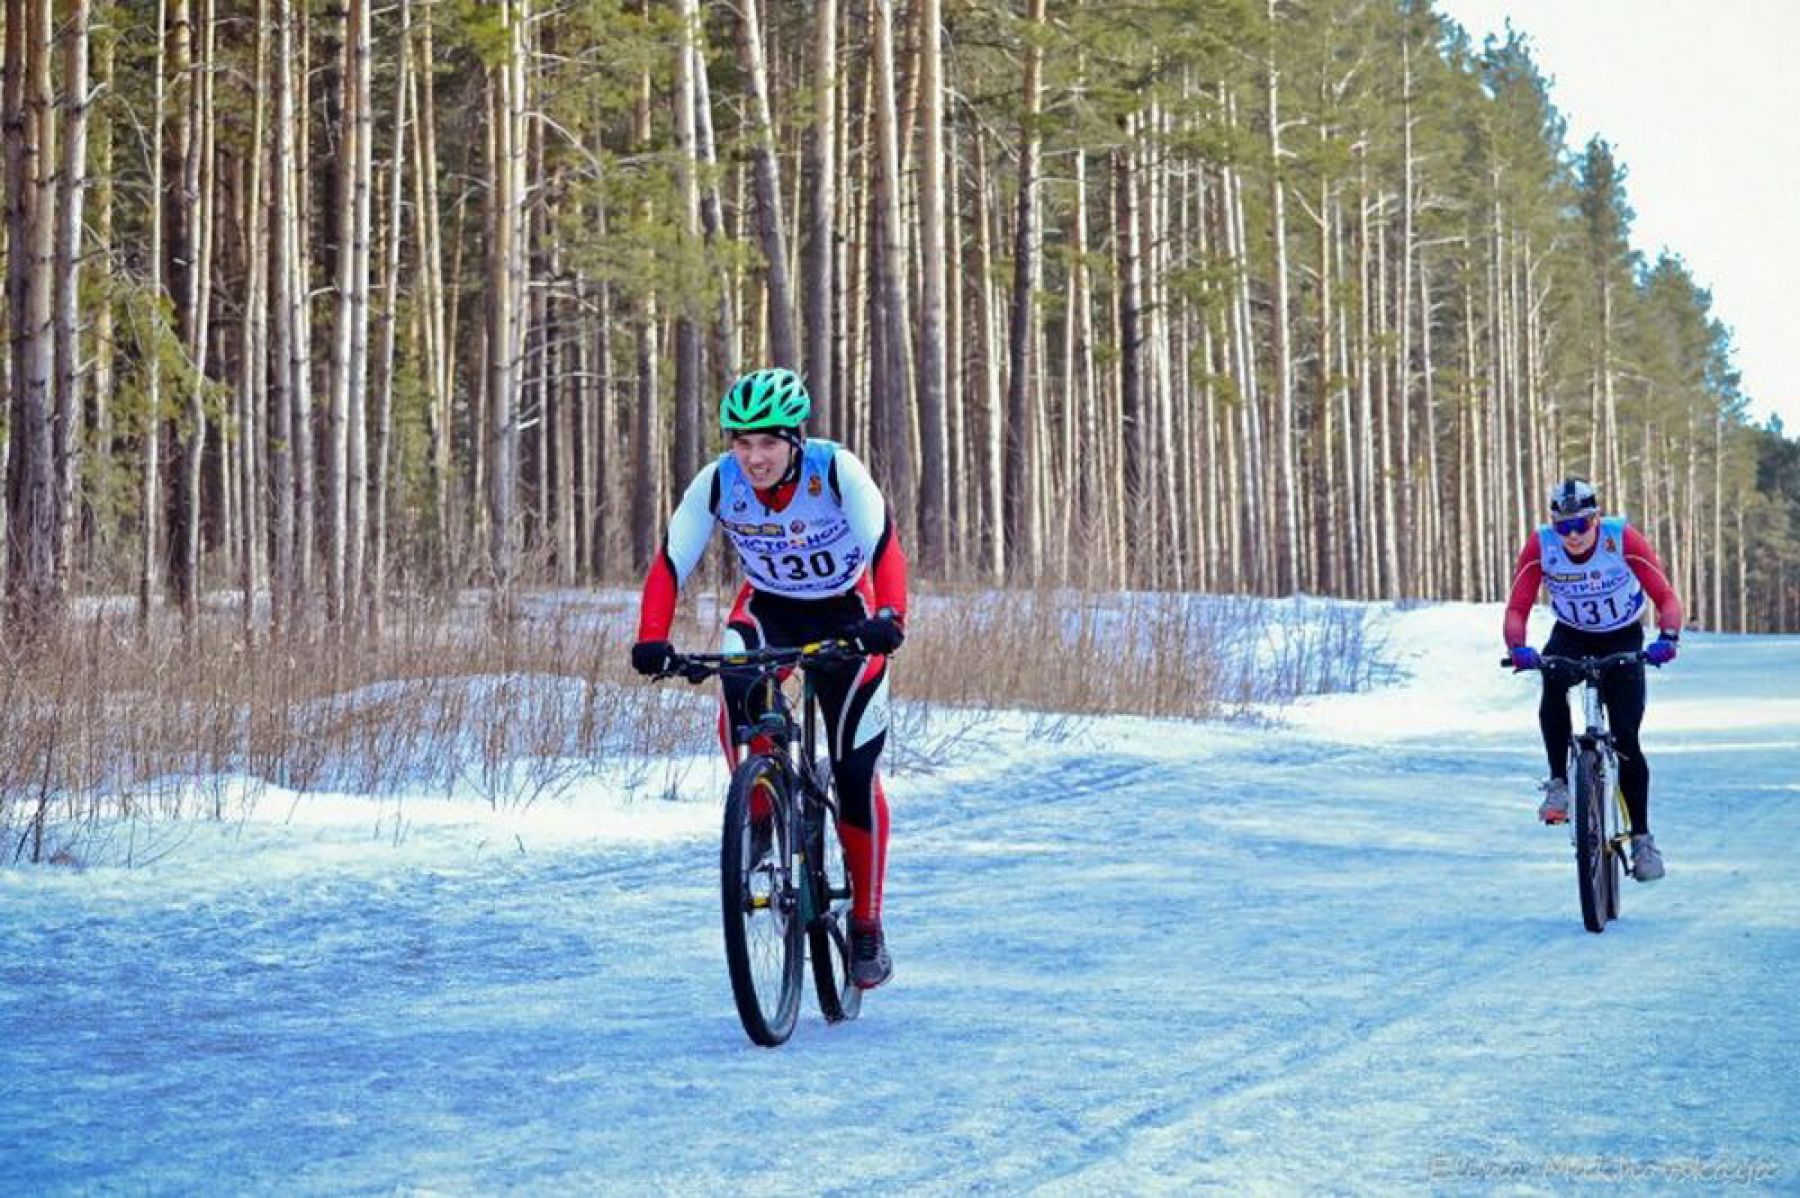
x=874, y=528
x=1528, y=576
x=690, y=528
x=889, y=571
x=1643, y=562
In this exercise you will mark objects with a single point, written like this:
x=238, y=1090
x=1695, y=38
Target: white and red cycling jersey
x=1601, y=591
x=819, y=554
x=825, y=534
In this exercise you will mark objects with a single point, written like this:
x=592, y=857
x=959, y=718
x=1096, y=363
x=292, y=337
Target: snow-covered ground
x=1329, y=951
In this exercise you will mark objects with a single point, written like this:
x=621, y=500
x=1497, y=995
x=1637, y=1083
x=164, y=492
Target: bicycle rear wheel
x=828, y=939
x=1618, y=829
x=1593, y=855
x=758, y=901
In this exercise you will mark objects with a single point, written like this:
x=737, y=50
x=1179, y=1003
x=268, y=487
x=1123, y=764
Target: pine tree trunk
x=891, y=385
x=336, y=459
x=1287, y=576
x=71, y=191
x=434, y=321
x=253, y=363
x=1133, y=417
x=934, y=472
x=784, y=345
x=282, y=334
x=725, y=334
x=1368, y=577
x=1408, y=558
x=1023, y=534
x=1085, y=508
x=991, y=455
x=32, y=486
x=960, y=451
x=186, y=209
x=505, y=328
x=300, y=365
x=647, y=480
x=356, y=537
x=818, y=254
x=1329, y=529
x=687, y=326
x=387, y=332
x=150, y=341
x=97, y=499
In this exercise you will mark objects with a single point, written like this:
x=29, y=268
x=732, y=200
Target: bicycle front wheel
x=758, y=901
x=1593, y=853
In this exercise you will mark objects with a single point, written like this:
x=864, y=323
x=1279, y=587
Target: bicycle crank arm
x=1617, y=844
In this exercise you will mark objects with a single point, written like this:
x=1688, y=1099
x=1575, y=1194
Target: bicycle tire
x=828, y=939
x=757, y=899
x=1591, y=848
x=1618, y=823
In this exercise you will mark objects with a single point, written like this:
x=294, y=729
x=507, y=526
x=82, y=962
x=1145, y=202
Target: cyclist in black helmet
x=1600, y=572
x=821, y=559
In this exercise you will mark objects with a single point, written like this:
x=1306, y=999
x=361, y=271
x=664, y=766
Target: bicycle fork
x=1599, y=742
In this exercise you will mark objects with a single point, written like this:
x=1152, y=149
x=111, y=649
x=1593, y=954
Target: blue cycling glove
x=1661, y=651
x=1524, y=657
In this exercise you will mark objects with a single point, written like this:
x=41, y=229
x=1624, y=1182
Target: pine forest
x=318, y=304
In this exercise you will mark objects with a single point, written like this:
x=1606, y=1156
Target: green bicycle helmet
x=765, y=401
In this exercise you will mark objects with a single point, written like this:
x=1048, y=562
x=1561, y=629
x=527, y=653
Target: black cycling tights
x=1622, y=693
x=851, y=699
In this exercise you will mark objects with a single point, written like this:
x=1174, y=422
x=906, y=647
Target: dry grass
x=102, y=724
x=1184, y=656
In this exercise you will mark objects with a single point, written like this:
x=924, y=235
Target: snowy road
x=1329, y=955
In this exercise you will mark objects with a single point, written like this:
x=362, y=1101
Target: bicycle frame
x=772, y=734
x=1596, y=737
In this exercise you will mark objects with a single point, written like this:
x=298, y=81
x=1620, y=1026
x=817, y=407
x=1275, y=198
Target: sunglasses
x=1573, y=525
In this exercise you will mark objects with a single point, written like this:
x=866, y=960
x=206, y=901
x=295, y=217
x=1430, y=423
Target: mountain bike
x=783, y=880
x=1601, y=829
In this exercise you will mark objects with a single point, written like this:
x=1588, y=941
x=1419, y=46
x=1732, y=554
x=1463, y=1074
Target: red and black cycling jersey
x=1617, y=546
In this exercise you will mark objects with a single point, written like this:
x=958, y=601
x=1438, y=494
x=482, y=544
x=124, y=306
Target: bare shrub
x=1154, y=654
x=102, y=724
x=105, y=732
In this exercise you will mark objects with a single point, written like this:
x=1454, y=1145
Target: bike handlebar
x=698, y=667
x=1589, y=667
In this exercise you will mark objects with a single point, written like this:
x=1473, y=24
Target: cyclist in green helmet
x=821, y=560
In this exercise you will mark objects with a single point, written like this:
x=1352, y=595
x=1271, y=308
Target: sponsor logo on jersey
x=1612, y=546
x=756, y=530
x=798, y=527
x=815, y=486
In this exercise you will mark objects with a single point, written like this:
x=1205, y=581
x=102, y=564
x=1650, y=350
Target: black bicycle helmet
x=1573, y=497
